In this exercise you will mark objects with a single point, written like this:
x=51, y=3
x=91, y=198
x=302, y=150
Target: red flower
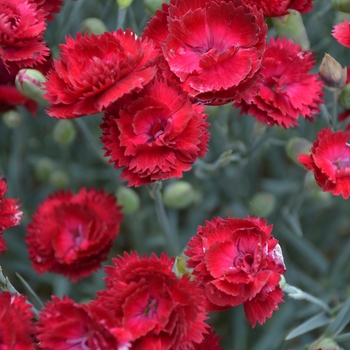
x=288, y=90
x=22, y=26
x=341, y=32
x=65, y=325
x=329, y=161
x=9, y=213
x=16, y=327
x=155, y=134
x=213, y=49
x=276, y=8
x=49, y=7
x=72, y=233
x=96, y=70
x=161, y=311
x=237, y=261
x=210, y=342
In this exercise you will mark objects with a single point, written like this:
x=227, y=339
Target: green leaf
x=312, y=323
x=341, y=320
x=36, y=301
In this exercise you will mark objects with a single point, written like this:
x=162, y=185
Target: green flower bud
x=292, y=27
x=12, y=118
x=332, y=73
x=341, y=5
x=59, y=179
x=29, y=82
x=64, y=132
x=179, y=267
x=324, y=344
x=153, y=5
x=93, y=25
x=128, y=198
x=263, y=203
x=344, y=97
x=296, y=146
x=43, y=169
x=179, y=195
x=124, y=3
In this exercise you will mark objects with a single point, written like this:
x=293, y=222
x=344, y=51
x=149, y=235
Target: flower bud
x=324, y=344
x=292, y=27
x=59, y=179
x=64, y=132
x=179, y=267
x=179, y=195
x=332, y=73
x=93, y=25
x=296, y=146
x=263, y=203
x=128, y=199
x=344, y=97
x=29, y=82
x=314, y=190
x=153, y=5
x=341, y=5
x=43, y=169
x=124, y=3
x=12, y=118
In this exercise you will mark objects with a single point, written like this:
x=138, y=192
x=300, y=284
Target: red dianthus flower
x=65, y=325
x=72, y=233
x=330, y=162
x=276, y=8
x=16, y=328
x=210, y=342
x=287, y=90
x=49, y=7
x=213, y=49
x=155, y=134
x=237, y=261
x=22, y=26
x=96, y=70
x=9, y=213
x=161, y=311
x=341, y=32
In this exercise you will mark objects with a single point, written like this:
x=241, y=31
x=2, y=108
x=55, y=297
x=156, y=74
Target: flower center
x=83, y=342
x=78, y=235
x=151, y=308
x=157, y=130
x=342, y=163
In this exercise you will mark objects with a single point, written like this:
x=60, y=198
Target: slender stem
x=298, y=294
x=335, y=109
x=173, y=242
x=13, y=291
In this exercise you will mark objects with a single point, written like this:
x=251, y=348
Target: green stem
x=6, y=285
x=173, y=242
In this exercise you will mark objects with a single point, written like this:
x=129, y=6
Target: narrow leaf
x=36, y=301
x=341, y=320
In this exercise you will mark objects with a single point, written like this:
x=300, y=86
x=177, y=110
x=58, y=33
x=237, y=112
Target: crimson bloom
x=330, y=161
x=276, y=8
x=161, y=311
x=155, y=134
x=96, y=70
x=16, y=328
x=49, y=7
x=213, y=49
x=341, y=32
x=9, y=214
x=287, y=90
x=237, y=261
x=65, y=325
x=22, y=26
x=73, y=233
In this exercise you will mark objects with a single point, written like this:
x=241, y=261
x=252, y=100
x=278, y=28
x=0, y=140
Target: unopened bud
x=296, y=146
x=153, y=5
x=324, y=344
x=332, y=73
x=12, y=118
x=59, y=179
x=64, y=132
x=179, y=267
x=124, y=3
x=263, y=203
x=344, y=97
x=292, y=27
x=29, y=82
x=341, y=5
x=179, y=195
x=43, y=168
x=93, y=25
x=128, y=199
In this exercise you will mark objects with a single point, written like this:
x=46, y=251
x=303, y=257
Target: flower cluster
x=72, y=233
